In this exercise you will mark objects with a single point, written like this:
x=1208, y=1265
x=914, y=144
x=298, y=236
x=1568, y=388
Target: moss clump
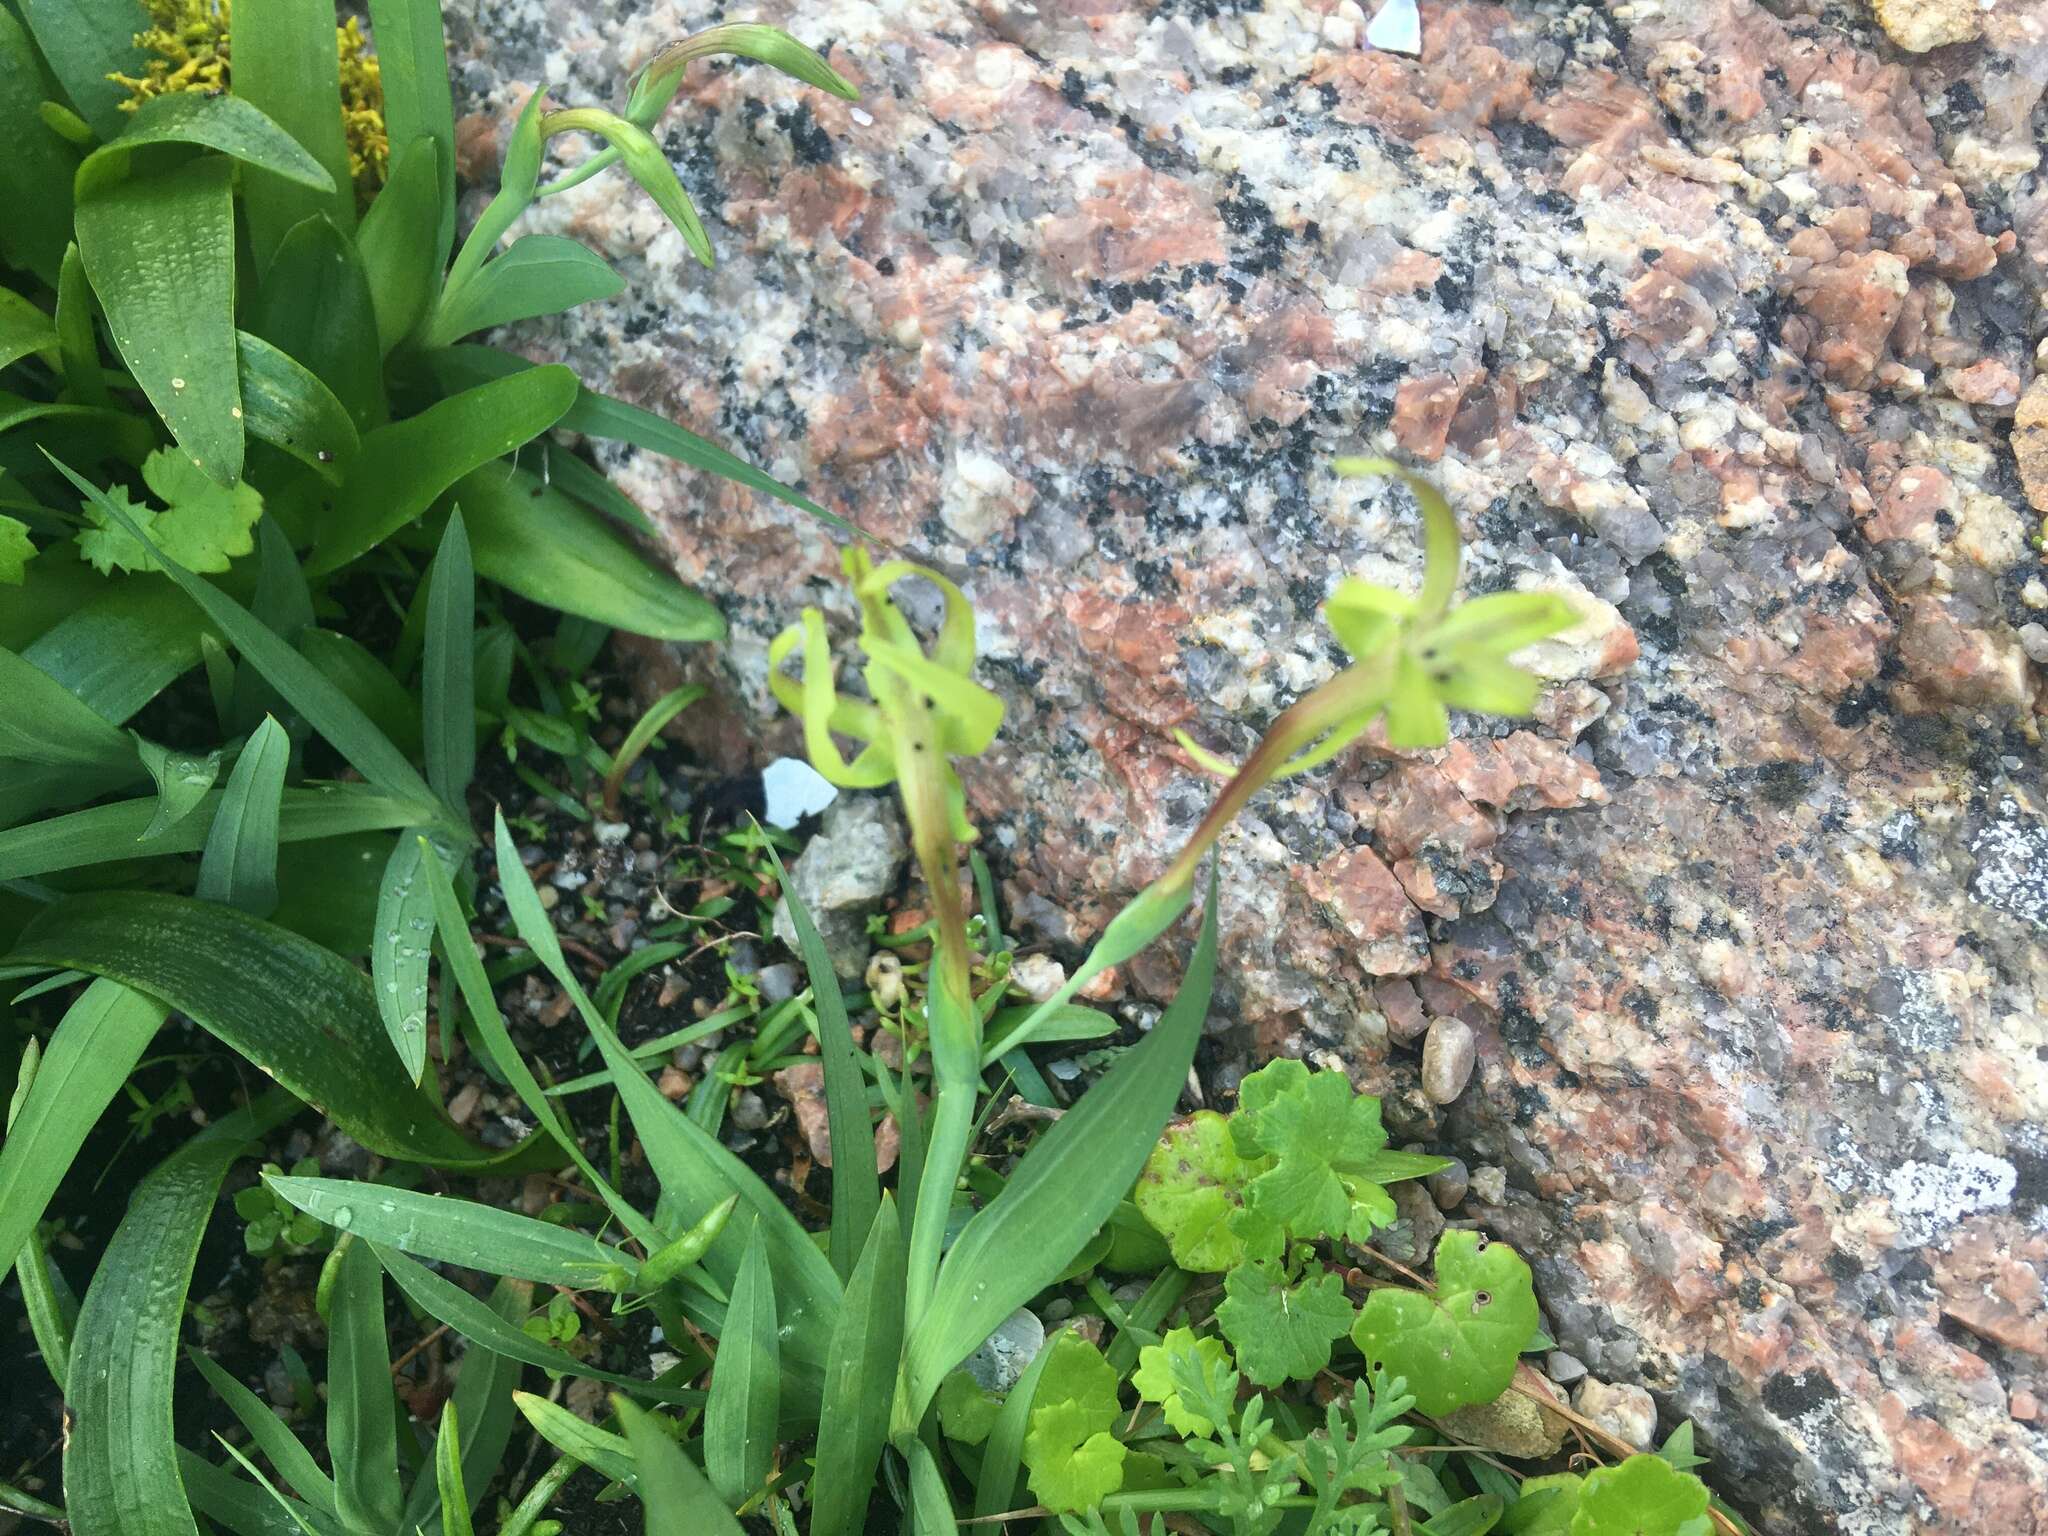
x=189, y=50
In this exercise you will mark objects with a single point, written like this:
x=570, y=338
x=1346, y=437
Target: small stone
x=675, y=1085
x=1447, y=1186
x=749, y=1112
x=1038, y=977
x=1513, y=1424
x=1920, y=25
x=1448, y=1055
x=1004, y=1354
x=1406, y=1022
x=2030, y=441
x=778, y=983
x=2034, y=641
x=550, y=898
x=1625, y=1411
x=1490, y=1185
x=1423, y=1222
x=1562, y=1368
x=843, y=875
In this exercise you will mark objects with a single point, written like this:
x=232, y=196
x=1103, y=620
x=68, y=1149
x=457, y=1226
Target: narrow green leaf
x=860, y=1381
x=448, y=1475
x=236, y=1504
x=449, y=1303
x=86, y=42
x=293, y=1462
x=368, y=684
x=397, y=241
x=608, y=1455
x=484, y=1384
x=459, y=955
x=679, y=1501
x=1002, y=1454
x=239, y=866
x=160, y=251
x=234, y=126
x=418, y=100
x=695, y=1171
x=314, y=305
x=931, y=1506
x=123, y=645
x=362, y=1427
x=856, y=1187
x=35, y=173
x=325, y=707
x=1064, y=1188
x=536, y=275
x=287, y=406
x=401, y=946
x=78, y=341
x=299, y=1012
x=91, y=1052
x=448, y=677
x=595, y=415
x=403, y=467
x=108, y=833
x=286, y=64
x=120, y=1460
x=531, y=539
x=569, y=473
x=45, y=723
x=451, y=1231
x=746, y=1387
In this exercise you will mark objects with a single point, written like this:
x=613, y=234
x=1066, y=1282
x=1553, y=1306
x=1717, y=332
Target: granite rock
x=1705, y=314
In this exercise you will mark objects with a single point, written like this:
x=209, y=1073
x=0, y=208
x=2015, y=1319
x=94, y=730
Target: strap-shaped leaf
x=300, y=1012
x=287, y=406
x=362, y=1426
x=537, y=275
x=120, y=1459
x=93, y=1049
x=239, y=866
x=35, y=173
x=419, y=101
x=234, y=126
x=286, y=64
x=86, y=42
x=404, y=467
x=400, y=261
x=1064, y=1188
x=160, y=250
x=746, y=1388
x=860, y=1382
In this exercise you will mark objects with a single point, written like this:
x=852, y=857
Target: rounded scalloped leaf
x=1282, y=1332
x=1073, y=1466
x=1644, y=1496
x=1459, y=1345
x=1192, y=1185
x=1545, y=1506
x=1154, y=1377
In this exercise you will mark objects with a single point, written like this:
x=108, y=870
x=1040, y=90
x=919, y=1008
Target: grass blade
x=401, y=945
x=452, y=1231
x=1064, y=1188
x=91, y=1052
x=449, y=1303
x=404, y=468
x=606, y=1454
x=931, y=1506
x=181, y=783
x=362, y=1425
x=484, y=1384
x=293, y=1462
x=856, y=1187
x=1002, y=1454
x=120, y=1460
x=326, y=708
x=746, y=1386
x=536, y=275
x=645, y=729
x=160, y=251
x=107, y=833
x=122, y=645
x=314, y=305
x=860, y=1382
x=695, y=1171
x=448, y=1475
x=239, y=866
x=300, y=1012
x=448, y=678
x=679, y=1501
x=285, y=65
x=418, y=101
x=369, y=684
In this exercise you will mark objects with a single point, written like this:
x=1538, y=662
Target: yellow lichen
x=189, y=50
